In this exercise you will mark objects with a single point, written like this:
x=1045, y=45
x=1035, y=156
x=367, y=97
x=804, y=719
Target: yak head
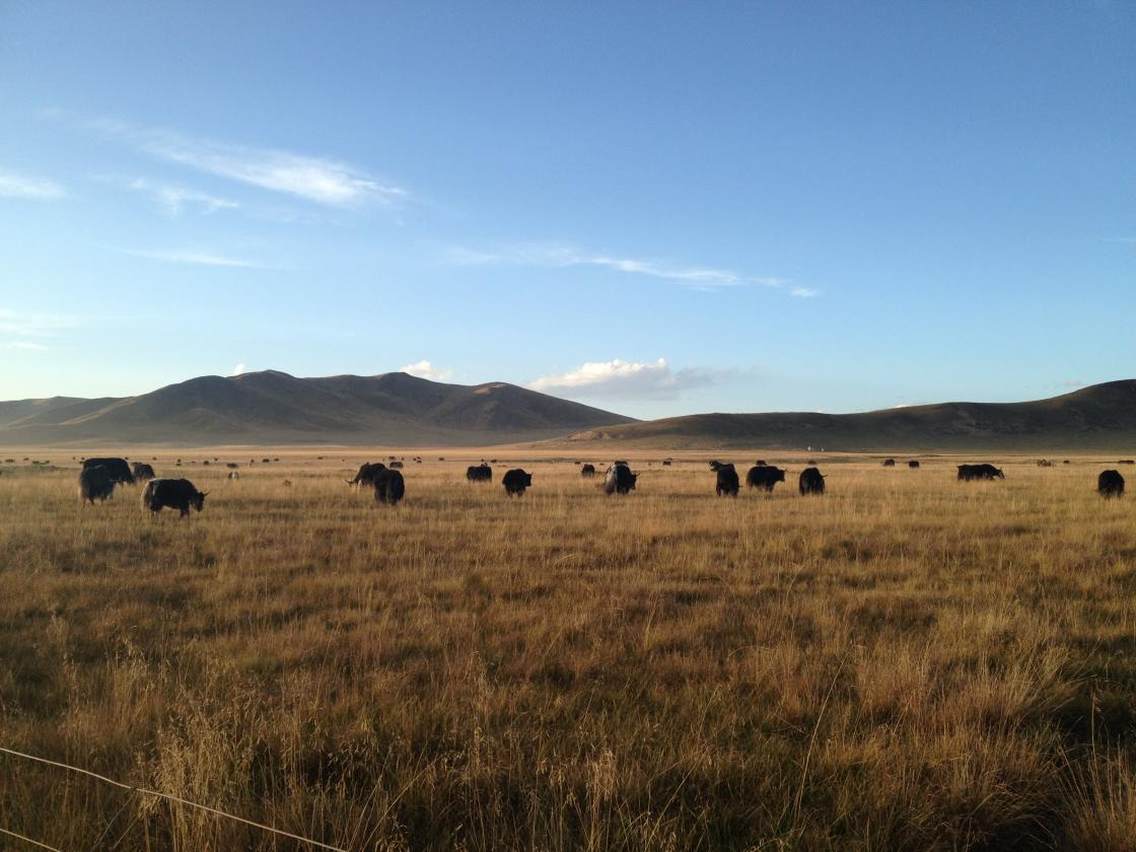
x=198, y=500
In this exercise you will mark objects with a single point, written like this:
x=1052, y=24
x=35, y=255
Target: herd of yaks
x=99, y=476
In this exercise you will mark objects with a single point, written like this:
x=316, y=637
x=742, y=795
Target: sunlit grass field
x=907, y=662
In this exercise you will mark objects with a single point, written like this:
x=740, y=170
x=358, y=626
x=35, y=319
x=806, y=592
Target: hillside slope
x=274, y=407
x=1097, y=417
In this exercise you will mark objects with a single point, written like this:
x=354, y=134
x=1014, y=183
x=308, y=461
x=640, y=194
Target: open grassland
x=905, y=663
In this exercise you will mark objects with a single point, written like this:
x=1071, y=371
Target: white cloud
x=196, y=258
x=13, y=185
x=426, y=370
x=174, y=199
x=24, y=345
x=20, y=324
x=239, y=369
x=318, y=179
x=654, y=379
x=697, y=277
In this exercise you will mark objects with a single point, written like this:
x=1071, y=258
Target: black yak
x=117, y=468
x=142, y=471
x=970, y=472
x=366, y=473
x=389, y=486
x=727, y=480
x=516, y=481
x=1110, y=484
x=177, y=494
x=479, y=473
x=764, y=476
x=95, y=483
x=619, y=479
x=810, y=481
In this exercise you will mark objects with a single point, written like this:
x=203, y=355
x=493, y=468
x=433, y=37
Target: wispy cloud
x=697, y=277
x=175, y=199
x=426, y=370
x=197, y=258
x=22, y=324
x=27, y=332
x=628, y=379
x=318, y=179
x=14, y=185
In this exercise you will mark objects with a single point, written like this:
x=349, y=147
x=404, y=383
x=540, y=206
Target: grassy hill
x=274, y=407
x=1097, y=417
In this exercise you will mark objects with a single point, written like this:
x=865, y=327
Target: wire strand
x=167, y=796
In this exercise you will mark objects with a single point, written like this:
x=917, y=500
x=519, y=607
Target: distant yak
x=96, y=483
x=764, y=477
x=116, y=468
x=366, y=473
x=619, y=479
x=587, y=470
x=810, y=481
x=727, y=480
x=479, y=473
x=389, y=486
x=889, y=462
x=914, y=463
x=177, y=494
x=971, y=472
x=516, y=481
x=1110, y=484
x=142, y=472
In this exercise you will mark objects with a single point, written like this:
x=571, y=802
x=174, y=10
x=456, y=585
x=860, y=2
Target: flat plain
x=907, y=662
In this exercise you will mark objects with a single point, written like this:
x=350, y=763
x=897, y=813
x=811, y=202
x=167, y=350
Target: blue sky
x=660, y=210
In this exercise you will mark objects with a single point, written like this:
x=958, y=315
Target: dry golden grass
x=905, y=663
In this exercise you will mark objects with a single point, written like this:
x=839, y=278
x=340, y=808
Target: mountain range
x=272, y=407
x=1098, y=417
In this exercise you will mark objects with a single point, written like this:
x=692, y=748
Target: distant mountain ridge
x=1098, y=417
x=275, y=407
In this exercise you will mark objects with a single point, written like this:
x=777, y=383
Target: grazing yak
x=479, y=473
x=516, y=481
x=395, y=465
x=142, y=471
x=177, y=494
x=619, y=479
x=763, y=476
x=971, y=472
x=913, y=464
x=889, y=462
x=96, y=483
x=715, y=465
x=727, y=480
x=810, y=481
x=1110, y=484
x=587, y=470
x=389, y=486
x=234, y=474
x=366, y=473
x=117, y=469
x=666, y=462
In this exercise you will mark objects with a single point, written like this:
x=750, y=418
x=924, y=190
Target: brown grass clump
x=905, y=663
